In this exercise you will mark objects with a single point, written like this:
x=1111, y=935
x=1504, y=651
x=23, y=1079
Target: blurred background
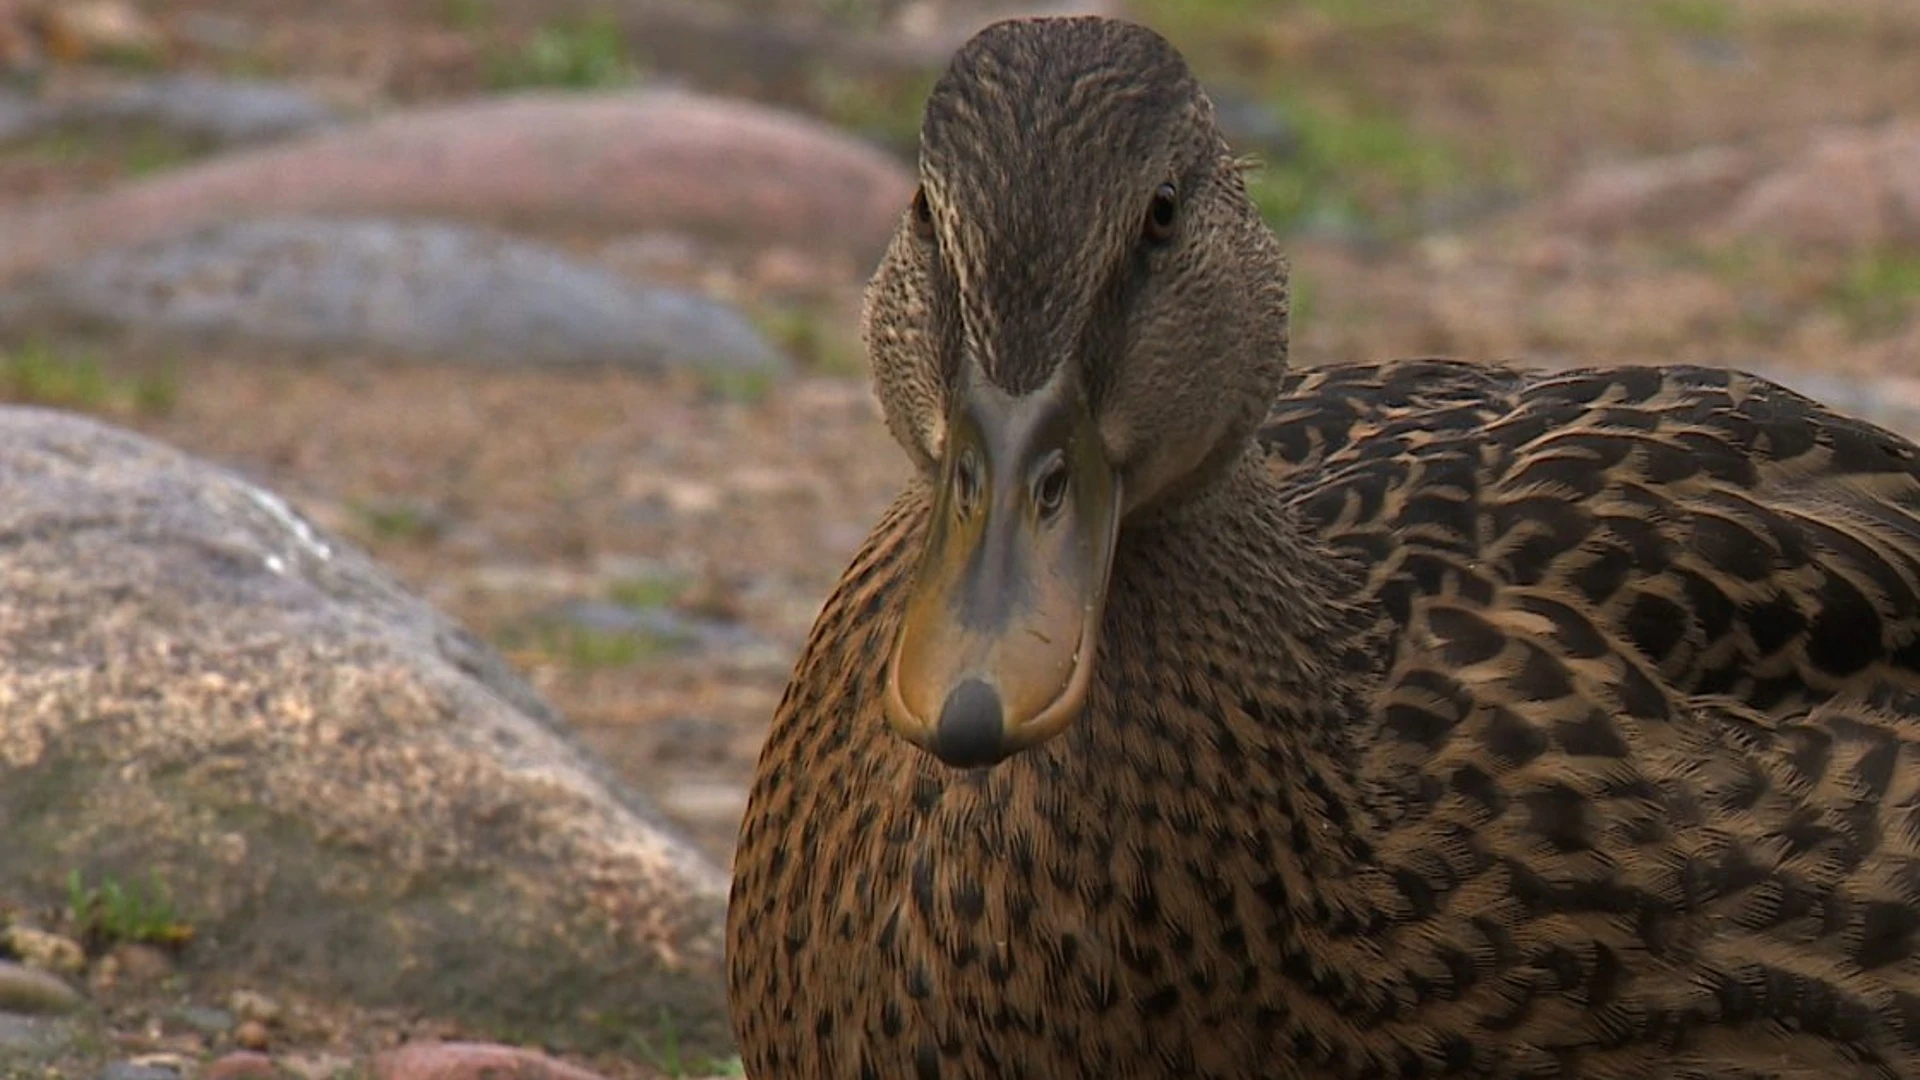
x=551, y=305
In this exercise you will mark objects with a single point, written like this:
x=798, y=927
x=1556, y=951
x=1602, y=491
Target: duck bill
x=996, y=649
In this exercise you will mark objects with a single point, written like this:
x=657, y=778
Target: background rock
x=1651, y=194
x=426, y=291
x=340, y=788
x=471, y=1061
x=1850, y=189
x=592, y=164
x=210, y=111
x=32, y=991
x=1846, y=189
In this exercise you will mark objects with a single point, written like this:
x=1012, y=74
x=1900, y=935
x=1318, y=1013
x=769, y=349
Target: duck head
x=1078, y=323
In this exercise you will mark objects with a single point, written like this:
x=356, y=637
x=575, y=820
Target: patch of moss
x=141, y=150
x=467, y=15
x=662, y=1049
x=587, y=648
x=1355, y=162
x=397, y=521
x=741, y=385
x=881, y=108
x=39, y=373
x=647, y=591
x=805, y=334
x=577, y=54
x=1352, y=167
x=1704, y=18
x=1879, y=290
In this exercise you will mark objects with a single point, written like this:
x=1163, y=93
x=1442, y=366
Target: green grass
x=468, y=15
x=112, y=913
x=140, y=152
x=1179, y=18
x=743, y=386
x=805, y=334
x=1355, y=161
x=647, y=591
x=1879, y=290
x=575, y=54
x=878, y=108
x=666, y=1055
x=394, y=520
x=1706, y=18
x=1361, y=16
x=1352, y=166
x=583, y=648
x=39, y=374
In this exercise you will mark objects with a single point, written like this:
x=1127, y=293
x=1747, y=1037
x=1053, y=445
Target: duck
x=1190, y=713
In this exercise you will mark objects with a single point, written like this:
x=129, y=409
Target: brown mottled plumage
x=1451, y=720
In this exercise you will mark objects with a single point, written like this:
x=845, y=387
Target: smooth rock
x=81, y=30
x=472, y=1061
x=138, y=962
x=420, y=290
x=253, y=1005
x=252, y=1035
x=20, y=117
x=214, y=30
x=128, y=1070
x=1856, y=189
x=205, y=1019
x=342, y=789
x=199, y=108
x=319, y=1066
x=30, y=990
x=595, y=165
x=1654, y=193
x=241, y=1065
x=33, y=1038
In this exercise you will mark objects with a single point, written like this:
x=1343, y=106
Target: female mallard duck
x=1189, y=718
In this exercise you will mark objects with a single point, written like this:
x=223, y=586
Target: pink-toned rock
x=1653, y=194
x=725, y=169
x=472, y=1061
x=1851, y=189
x=80, y=30
x=241, y=1066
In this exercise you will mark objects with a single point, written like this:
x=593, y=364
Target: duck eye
x=922, y=213
x=966, y=483
x=1162, y=214
x=1050, y=489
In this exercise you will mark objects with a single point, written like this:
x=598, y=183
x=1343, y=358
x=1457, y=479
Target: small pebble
x=30, y=990
x=253, y=1005
x=128, y=1070
x=49, y=952
x=251, y=1035
x=33, y=1036
x=472, y=1061
x=206, y=1019
x=319, y=1066
x=141, y=963
x=245, y=1065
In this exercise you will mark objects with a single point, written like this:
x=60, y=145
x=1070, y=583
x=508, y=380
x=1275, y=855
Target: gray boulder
x=422, y=290
x=216, y=112
x=341, y=790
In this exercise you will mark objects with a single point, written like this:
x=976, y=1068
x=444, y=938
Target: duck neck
x=1277, y=656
